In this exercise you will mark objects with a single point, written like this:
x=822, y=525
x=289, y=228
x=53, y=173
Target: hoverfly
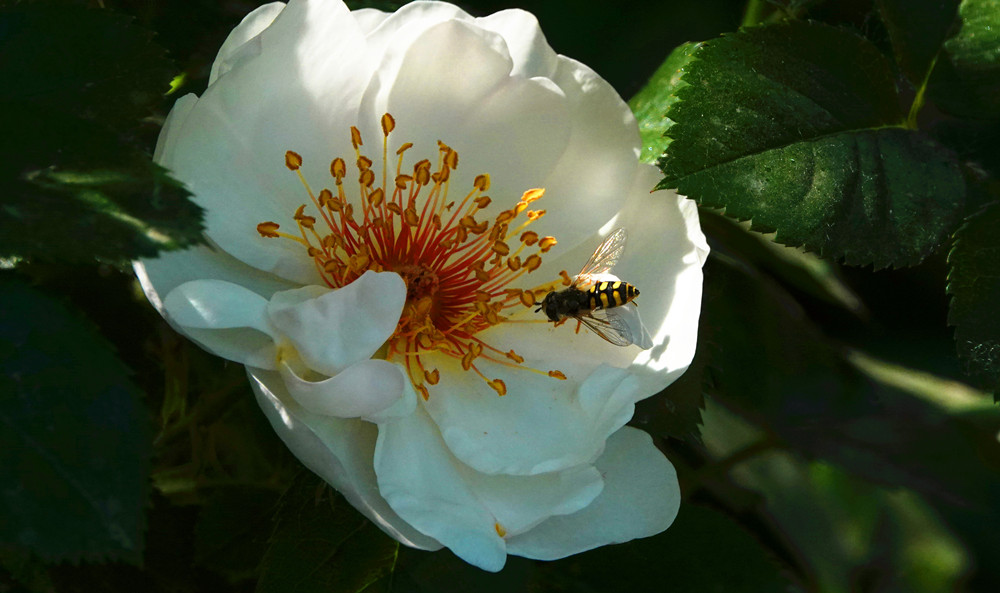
x=599, y=300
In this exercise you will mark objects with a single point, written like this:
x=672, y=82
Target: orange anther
x=410, y=216
x=388, y=124
x=532, y=194
x=501, y=248
x=268, y=229
x=338, y=168
x=501, y=388
x=293, y=160
x=514, y=356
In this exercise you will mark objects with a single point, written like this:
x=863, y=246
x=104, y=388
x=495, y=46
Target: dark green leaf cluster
x=77, y=179
x=842, y=144
x=74, y=435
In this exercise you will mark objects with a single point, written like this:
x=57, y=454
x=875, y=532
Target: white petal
x=340, y=327
x=401, y=27
x=527, y=45
x=225, y=319
x=598, y=165
x=363, y=390
x=172, y=268
x=641, y=497
x=669, y=278
x=369, y=19
x=231, y=149
x=465, y=63
x=511, y=127
x=338, y=450
x=541, y=425
x=522, y=502
x=243, y=42
x=167, y=140
x=425, y=486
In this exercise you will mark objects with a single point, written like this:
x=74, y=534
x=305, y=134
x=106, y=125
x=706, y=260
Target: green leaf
x=796, y=127
x=74, y=437
x=320, y=543
x=966, y=80
x=950, y=50
x=443, y=572
x=917, y=29
x=94, y=64
x=233, y=528
x=76, y=182
x=837, y=405
x=974, y=286
x=771, y=362
x=650, y=104
x=793, y=266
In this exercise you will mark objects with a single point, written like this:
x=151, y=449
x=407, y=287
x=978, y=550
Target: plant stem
x=753, y=14
x=918, y=101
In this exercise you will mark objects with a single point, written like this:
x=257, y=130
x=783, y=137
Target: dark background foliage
x=836, y=431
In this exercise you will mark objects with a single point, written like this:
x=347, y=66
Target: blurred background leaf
x=974, y=286
x=77, y=181
x=74, y=436
x=320, y=543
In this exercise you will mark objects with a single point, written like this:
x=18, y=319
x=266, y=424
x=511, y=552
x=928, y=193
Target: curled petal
x=338, y=450
x=525, y=41
x=541, y=425
x=366, y=389
x=641, y=498
x=172, y=268
x=244, y=43
x=226, y=319
x=334, y=329
x=425, y=486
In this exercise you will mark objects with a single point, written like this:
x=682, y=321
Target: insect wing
x=603, y=259
x=626, y=321
x=610, y=327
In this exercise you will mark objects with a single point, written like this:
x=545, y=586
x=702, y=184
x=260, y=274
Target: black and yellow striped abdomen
x=606, y=295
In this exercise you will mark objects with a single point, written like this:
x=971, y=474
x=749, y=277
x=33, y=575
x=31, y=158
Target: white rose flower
x=382, y=294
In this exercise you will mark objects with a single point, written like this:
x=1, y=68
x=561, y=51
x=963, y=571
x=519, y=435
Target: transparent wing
x=626, y=320
x=609, y=326
x=604, y=258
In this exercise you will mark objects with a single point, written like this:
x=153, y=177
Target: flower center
x=457, y=268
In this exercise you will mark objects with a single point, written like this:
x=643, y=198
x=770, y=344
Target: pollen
x=458, y=262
